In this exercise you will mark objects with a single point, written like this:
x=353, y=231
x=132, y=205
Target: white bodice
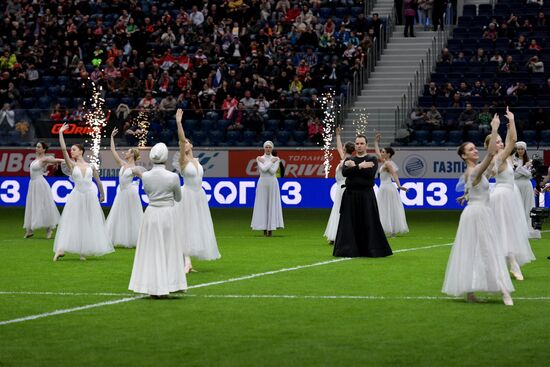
x=125, y=177
x=192, y=176
x=479, y=194
x=506, y=177
x=385, y=175
x=36, y=169
x=82, y=182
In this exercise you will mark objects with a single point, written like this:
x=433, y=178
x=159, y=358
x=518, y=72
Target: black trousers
x=409, y=25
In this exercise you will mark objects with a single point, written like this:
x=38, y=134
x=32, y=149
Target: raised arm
x=99, y=184
x=66, y=157
x=52, y=160
x=339, y=146
x=182, y=139
x=377, y=138
x=511, y=136
x=491, y=150
x=113, y=148
x=137, y=171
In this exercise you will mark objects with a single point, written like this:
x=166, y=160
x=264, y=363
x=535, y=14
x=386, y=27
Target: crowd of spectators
x=495, y=59
x=243, y=62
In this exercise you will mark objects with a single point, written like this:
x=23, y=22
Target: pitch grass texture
x=256, y=327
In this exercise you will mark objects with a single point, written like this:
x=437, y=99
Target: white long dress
x=509, y=215
x=334, y=218
x=126, y=213
x=159, y=268
x=268, y=212
x=522, y=177
x=195, y=228
x=82, y=227
x=390, y=206
x=40, y=209
x=477, y=262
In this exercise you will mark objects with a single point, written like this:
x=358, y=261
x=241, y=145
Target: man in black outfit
x=360, y=233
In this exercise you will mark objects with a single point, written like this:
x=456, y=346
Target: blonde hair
x=487, y=140
x=136, y=153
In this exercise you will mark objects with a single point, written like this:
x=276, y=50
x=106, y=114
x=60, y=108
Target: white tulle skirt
x=476, y=262
x=82, y=227
x=40, y=209
x=390, y=207
x=195, y=229
x=268, y=211
x=334, y=218
x=510, y=221
x=158, y=263
x=527, y=195
x=125, y=217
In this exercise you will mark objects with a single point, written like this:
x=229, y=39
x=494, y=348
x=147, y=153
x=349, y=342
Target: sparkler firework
x=142, y=121
x=360, y=124
x=96, y=121
x=329, y=118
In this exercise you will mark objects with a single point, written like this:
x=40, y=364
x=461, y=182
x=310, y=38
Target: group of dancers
x=176, y=225
x=492, y=239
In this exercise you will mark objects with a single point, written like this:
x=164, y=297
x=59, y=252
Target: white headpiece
x=268, y=142
x=521, y=144
x=159, y=153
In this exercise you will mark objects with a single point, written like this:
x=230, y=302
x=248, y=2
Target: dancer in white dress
x=195, y=227
x=158, y=263
x=390, y=206
x=82, y=226
x=476, y=262
x=40, y=209
x=126, y=213
x=268, y=212
x=522, y=176
x=344, y=152
x=507, y=206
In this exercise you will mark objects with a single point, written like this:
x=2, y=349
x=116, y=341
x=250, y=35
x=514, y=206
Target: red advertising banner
x=298, y=163
x=16, y=162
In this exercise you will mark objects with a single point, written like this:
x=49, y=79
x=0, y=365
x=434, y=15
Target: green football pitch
x=280, y=301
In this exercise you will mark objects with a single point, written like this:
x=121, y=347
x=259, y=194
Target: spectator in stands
x=315, y=131
x=148, y=102
x=433, y=118
x=464, y=90
x=438, y=10
x=7, y=118
x=254, y=120
x=534, y=65
x=446, y=56
x=167, y=107
x=479, y=90
x=534, y=45
x=295, y=85
x=418, y=118
x=545, y=90
x=448, y=90
x=238, y=118
x=497, y=58
x=263, y=106
x=195, y=108
x=484, y=119
x=460, y=59
x=425, y=13
x=409, y=13
x=538, y=120
x=433, y=91
x=521, y=43
x=7, y=60
x=509, y=66
x=10, y=95
x=496, y=89
x=512, y=24
x=32, y=76
x=468, y=118
x=480, y=56
x=247, y=100
x=541, y=20
x=456, y=101
x=491, y=32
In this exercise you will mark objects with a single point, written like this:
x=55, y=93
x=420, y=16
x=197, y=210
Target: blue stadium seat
x=266, y=135
x=420, y=137
x=474, y=136
x=272, y=125
x=249, y=138
x=300, y=137
x=223, y=124
x=529, y=137
x=111, y=103
x=454, y=138
x=216, y=137
x=44, y=103
x=289, y=125
x=198, y=137
x=282, y=138
x=545, y=136
x=469, y=10
x=207, y=125
x=127, y=101
x=485, y=10
x=438, y=137
x=233, y=137
x=190, y=125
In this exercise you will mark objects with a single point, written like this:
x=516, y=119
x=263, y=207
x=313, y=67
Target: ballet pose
x=344, y=152
x=82, y=226
x=476, y=262
x=195, y=227
x=390, y=206
x=268, y=212
x=40, y=209
x=126, y=213
x=159, y=267
x=506, y=204
x=522, y=176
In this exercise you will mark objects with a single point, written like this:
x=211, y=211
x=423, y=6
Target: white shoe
x=507, y=299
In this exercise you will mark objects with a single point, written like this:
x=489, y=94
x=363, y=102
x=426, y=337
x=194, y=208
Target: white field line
x=129, y=299
x=346, y=297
